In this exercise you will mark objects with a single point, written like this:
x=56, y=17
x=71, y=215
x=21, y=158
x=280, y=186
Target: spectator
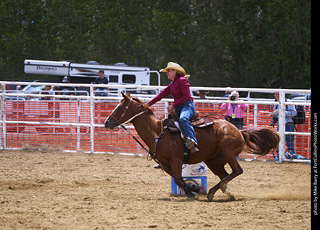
x=66, y=90
x=290, y=112
x=101, y=91
x=202, y=94
x=227, y=93
x=46, y=91
x=234, y=112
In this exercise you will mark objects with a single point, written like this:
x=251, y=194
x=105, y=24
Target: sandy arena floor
x=55, y=190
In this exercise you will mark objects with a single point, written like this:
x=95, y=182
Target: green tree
x=245, y=43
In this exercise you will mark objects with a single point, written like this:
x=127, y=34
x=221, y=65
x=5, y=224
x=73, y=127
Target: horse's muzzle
x=109, y=124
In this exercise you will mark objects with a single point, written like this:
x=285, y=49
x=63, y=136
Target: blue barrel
x=192, y=174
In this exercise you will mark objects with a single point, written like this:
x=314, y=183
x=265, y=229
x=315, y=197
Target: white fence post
x=4, y=116
x=1, y=118
x=282, y=125
x=255, y=116
x=166, y=106
x=91, y=119
x=78, y=121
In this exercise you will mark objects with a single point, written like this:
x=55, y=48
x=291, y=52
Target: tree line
x=243, y=43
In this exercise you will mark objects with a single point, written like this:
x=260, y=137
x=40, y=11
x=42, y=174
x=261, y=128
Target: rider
x=183, y=102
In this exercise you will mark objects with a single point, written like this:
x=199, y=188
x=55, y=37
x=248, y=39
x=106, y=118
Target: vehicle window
x=128, y=78
x=113, y=78
x=35, y=88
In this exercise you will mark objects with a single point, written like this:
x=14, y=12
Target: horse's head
x=128, y=109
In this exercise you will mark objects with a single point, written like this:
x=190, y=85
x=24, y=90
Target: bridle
x=124, y=112
x=151, y=155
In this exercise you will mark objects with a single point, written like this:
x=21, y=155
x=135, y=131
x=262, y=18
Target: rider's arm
x=161, y=95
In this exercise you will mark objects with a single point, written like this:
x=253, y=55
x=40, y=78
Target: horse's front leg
x=176, y=167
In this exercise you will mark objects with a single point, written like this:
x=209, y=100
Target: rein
x=142, y=146
x=151, y=155
x=128, y=121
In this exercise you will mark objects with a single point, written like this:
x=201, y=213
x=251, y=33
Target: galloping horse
x=218, y=144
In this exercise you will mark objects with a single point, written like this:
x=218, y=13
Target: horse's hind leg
x=216, y=165
x=236, y=170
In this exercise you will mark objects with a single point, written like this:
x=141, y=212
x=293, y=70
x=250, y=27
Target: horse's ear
x=125, y=96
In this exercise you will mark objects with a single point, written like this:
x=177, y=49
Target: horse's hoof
x=190, y=194
x=210, y=197
x=191, y=198
x=202, y=190
x=231, y=197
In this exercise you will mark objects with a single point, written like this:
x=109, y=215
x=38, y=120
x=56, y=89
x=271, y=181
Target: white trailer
x=57, y=68
x=118, y=74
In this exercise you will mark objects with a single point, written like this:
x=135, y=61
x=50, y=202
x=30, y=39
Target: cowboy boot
x=191, y=144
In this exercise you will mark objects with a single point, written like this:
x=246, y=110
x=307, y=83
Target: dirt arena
x=56, y=190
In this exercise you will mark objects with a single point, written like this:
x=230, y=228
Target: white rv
x=118, y=74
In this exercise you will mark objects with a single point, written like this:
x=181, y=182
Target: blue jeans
x=290, y=138
x=239, y=126
x=102, y=92
x=185, y=112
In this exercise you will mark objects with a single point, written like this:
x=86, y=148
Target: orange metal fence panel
x=76, y=136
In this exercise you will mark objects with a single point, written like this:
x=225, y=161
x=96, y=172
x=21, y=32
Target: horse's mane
x=145, y=105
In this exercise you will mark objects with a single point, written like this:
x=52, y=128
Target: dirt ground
x=58, y=190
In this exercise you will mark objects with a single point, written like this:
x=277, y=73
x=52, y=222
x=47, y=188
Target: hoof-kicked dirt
x=56, y=190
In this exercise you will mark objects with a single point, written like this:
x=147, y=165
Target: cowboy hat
x=175, y=66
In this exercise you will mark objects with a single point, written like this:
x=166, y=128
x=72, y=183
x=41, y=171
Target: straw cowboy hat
x=175, y=66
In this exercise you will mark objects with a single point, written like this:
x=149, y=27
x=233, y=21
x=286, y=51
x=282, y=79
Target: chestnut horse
x=218, y=144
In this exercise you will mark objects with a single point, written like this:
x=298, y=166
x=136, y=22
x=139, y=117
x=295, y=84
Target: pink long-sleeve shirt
x=179, y=89
x=238, y=109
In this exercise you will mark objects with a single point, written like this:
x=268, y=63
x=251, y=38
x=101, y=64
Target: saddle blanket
x=172, y=124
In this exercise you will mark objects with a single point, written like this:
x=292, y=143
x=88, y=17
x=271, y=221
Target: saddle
x=172, y=124
x=197, y=122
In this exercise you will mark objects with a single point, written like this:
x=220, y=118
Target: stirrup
x=190, y=143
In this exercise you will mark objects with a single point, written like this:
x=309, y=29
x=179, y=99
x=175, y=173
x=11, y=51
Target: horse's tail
x=260, y=141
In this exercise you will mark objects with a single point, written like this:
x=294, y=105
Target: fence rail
x=76, y=123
